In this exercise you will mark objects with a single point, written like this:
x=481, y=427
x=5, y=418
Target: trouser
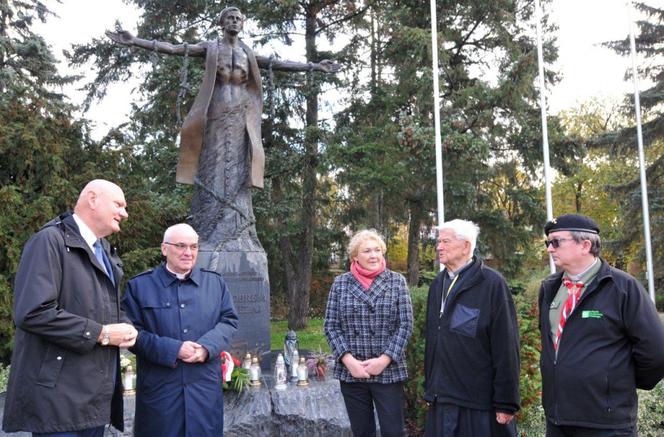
x=388, y=399
x=579, y=431
x=447, y=420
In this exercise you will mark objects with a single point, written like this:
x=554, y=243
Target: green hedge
x=414, y=388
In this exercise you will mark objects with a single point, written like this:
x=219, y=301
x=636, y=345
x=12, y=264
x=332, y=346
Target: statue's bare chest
x=232, y=65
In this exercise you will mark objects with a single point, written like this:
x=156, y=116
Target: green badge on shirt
x=591, y=314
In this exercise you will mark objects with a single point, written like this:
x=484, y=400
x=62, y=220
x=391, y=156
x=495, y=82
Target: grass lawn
x=310, y=338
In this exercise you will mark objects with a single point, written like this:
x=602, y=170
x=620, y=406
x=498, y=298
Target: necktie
x=573, y=291
x=101, y=256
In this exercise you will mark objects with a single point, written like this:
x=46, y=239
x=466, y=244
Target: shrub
x=414, y=387
x=530, y=381
x=4, y=377
x=651, y=411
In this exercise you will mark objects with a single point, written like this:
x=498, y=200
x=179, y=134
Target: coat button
x=59, y=358
x=182, y=305
x=168, y=304
x=87, y=333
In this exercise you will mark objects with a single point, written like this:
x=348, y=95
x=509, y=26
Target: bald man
x=64, y=378
x=185, y=318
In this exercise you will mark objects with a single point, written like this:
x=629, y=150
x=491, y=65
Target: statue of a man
x=221, y=151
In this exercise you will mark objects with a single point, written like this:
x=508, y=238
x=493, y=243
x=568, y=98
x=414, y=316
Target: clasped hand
x=120, y=334
x=192, y=352
x=367, y=368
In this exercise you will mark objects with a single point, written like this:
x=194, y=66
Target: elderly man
x=185, y=318
x=64, y=378
x=471, y=361
x=601, y=337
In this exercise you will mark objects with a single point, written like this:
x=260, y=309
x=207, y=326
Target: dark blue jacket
x=174, y=398
x=471, y=356
x=612, y=344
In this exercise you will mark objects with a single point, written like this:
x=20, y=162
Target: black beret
x=571, y=222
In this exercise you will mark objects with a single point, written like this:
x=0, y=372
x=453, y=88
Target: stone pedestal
x=317, y=410
x=244, y=270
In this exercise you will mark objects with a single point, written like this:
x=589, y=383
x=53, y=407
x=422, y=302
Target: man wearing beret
x=601, y=337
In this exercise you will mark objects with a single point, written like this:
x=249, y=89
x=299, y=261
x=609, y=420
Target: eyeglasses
x=555, y=242
x=182, y=246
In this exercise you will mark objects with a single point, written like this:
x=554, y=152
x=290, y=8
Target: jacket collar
x=379, y=285
x=73, y=236
x=70, y=230
x=73, y=239
x=470, y=274
x=167, y=278
x=552, y=283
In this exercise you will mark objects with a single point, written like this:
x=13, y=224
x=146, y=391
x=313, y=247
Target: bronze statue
x=221, y=151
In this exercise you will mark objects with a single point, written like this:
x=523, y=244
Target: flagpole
x=545, y=133
x=642, y=167
x=436, y=112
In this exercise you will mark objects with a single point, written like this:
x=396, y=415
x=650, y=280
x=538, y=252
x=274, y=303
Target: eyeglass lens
x=183, y=246
x=555, y=242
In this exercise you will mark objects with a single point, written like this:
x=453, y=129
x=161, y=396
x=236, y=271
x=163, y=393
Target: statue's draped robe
x=222, y=154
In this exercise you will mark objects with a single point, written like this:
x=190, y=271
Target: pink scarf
x=366, y=277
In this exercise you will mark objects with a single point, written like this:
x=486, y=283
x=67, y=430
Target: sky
x=588, y=70
x=77, y=22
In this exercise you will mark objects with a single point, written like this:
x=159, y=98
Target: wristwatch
x=106, y=336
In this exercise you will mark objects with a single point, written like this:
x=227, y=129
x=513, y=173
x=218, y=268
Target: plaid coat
x=370, y=323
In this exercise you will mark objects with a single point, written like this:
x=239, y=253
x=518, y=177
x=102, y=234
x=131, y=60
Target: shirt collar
x=168, y=277
x=180, y=276
x=452, y=274
x=85, y=231
x=585, y=273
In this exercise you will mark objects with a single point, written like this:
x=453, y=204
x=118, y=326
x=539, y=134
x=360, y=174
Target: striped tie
x=574, y=291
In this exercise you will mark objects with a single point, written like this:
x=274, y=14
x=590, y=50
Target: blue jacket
x=370, y=323
x=174, y=398
x=612, y=344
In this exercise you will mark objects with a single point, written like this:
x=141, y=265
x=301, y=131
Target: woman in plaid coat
x=368, y=321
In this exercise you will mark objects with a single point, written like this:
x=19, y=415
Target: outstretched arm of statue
x=127, y=39
x=325, y=66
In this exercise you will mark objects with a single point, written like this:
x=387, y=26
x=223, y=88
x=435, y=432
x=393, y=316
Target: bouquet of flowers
x=233, y=375
x=317, y=363
x=124, y=362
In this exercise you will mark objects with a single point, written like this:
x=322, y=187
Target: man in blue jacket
x=471, y=361
x=601, y=337
x=185, y=318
